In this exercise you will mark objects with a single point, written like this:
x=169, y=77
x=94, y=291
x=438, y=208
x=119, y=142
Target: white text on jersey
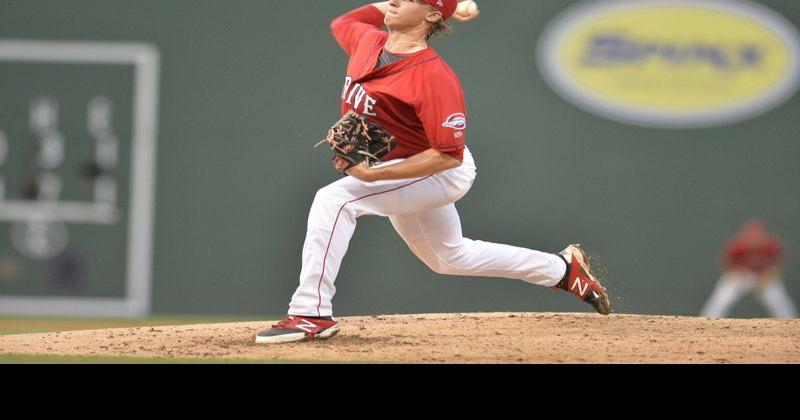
x=358, y=94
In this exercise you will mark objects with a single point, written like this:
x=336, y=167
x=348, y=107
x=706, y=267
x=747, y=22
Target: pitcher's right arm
x=350, y=27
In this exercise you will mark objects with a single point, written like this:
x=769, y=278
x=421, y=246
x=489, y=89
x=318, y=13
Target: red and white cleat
x=581, y=282
x=298, y=328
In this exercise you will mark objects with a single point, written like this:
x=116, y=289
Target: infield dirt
x=451, y=338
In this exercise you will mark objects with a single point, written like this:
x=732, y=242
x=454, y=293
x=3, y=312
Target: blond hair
x=438, y=30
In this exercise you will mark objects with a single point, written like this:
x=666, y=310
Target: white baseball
x=467, y=8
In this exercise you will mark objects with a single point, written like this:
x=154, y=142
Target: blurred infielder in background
x=751, y=264
x=399, y=82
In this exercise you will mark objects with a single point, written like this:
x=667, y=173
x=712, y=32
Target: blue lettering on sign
x=610, y=50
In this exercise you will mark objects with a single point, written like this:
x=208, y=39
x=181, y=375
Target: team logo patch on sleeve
x=456, y=122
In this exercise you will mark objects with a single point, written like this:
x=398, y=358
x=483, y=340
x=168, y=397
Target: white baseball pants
x=734, y=285
x=423, y=214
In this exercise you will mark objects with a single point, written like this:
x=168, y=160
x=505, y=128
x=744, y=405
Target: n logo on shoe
x=582, y=287
x=306, y=326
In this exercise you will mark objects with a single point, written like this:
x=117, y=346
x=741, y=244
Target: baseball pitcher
x=401, y=143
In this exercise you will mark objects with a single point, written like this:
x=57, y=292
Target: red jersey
x=418, y=100
x=753, y=256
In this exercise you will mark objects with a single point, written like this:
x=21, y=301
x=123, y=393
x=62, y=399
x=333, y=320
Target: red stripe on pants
x=330, y=239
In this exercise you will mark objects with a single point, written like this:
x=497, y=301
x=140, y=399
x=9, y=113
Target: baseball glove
x=354, y=139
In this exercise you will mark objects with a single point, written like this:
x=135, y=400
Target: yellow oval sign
x=677, y=64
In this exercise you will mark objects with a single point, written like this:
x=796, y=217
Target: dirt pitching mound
x=452, y=338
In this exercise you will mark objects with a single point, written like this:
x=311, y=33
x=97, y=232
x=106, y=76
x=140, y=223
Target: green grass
x=30, y=325
x=29, y=359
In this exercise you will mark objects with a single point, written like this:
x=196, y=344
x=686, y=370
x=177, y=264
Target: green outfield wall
x=197, y=124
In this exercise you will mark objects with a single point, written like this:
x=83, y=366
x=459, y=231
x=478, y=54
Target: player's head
x=430, y=14
x=754, y=232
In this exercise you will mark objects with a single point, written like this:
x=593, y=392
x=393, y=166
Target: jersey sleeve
x=734, y=252
x=349, y=28
x=442, y=110
x=774, y=250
